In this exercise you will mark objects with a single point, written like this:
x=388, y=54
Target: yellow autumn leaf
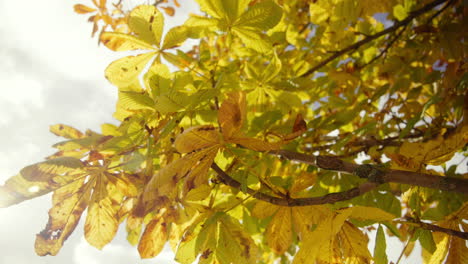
x=353, y=244
x=436, y=151
x=234, y=245
x=65, y=131
x=263, y=209
x=175, y=37
x=279, y=231
x=148, y=23
x=63, y=217
x=153, y=239
x=124, y=72
x=320, y=241
x=83, y=9
x=101, y=222
x=123, y=42
x=165, y=180
x=196, y=138
x=198, y=175
x=441, y=251
x=370, y=213
x=458, y=252
x=231, y=115
x=199, y=193
x=50, y=169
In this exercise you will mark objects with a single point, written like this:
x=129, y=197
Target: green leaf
x=273, y=69
x=135, y=101
x=426, y=240
x=380, y=255
x=399, y=12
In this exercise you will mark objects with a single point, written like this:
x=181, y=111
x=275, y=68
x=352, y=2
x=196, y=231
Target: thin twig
x=293, y=202
x=370, y=38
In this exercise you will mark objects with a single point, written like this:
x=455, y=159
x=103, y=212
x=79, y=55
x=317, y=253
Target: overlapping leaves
x=147, y=23
x=77, y=184
x=233, y=17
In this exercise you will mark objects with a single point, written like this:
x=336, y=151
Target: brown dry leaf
x=153, y=239
x=69, y=203
x=299, y=124
x=231, y=115
x=170, y=11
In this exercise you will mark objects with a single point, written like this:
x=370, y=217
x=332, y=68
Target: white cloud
x=116, y=254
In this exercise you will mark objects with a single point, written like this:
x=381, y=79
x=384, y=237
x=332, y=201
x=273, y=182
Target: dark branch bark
x=370, y=38
x=435, y=228
x=380, y=175
x=326, y=199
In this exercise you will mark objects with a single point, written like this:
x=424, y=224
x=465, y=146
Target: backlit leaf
x=196, y=138
x=125, y=71
x=279, y=231
x=153, y=239
x=69, y=203
x=123, y=42
x=174, y=37
x=380, y=255
x=83, y=9
x=148, y=23
x=232, y=113
x=65, y=131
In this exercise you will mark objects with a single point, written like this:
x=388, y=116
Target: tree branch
x=327, y=199
x=291, y=202
x=378, y=174
x=435, y=228
x=370, y=38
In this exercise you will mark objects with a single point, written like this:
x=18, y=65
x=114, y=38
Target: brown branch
x=435, y=228
x=291, y=202
x=370, y=38
x=377, y=174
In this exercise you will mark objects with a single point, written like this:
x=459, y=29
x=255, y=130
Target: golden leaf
x=279, y=231
x=69, y=202
x=231, y=115
x=124, y=72
x=196, y=138
x=354, y=244
x=123, y=42
x=83, y=9
x=370, y=213
x=153, y=239
x=101, y=222
x=263, y=209
x=148, y=23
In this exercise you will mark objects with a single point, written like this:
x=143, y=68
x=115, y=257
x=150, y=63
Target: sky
x=52, y=71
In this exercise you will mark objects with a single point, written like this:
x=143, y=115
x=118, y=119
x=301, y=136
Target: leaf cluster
x=326, y=85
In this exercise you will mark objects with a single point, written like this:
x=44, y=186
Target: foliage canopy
x=289, y=132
